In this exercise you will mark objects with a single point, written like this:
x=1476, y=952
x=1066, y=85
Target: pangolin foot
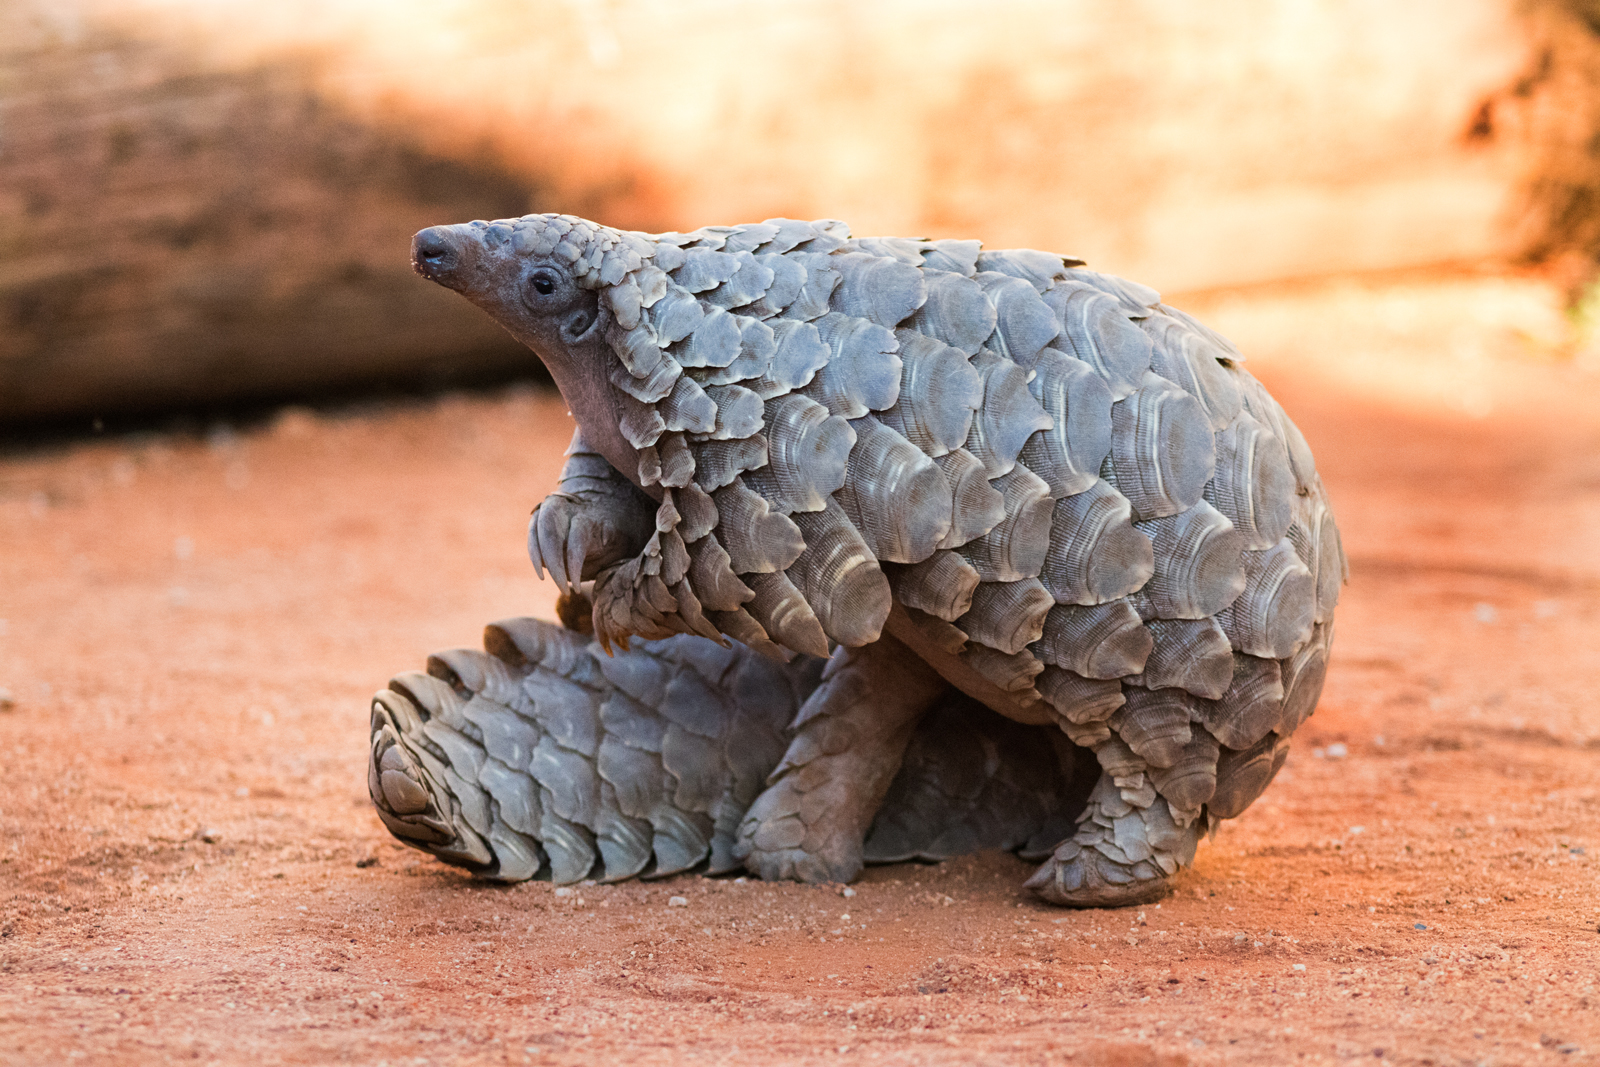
x=1122, y=853
x=1079, y=876
x=776, y=842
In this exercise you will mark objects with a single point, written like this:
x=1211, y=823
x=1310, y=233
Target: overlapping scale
x=748, y=283
x=956, y=312
x=1242, y=776
x=1016, y=547
x=863, y=372
x=1162, y=451
x=1274, y=613
x=939, y=393
x=1069, y=453
x=1095, y=553
x=1008, y=416
x=1039, y=269
x=840, y=578
x=1155, y=723
x=1198, y=566
x=884, y=291
x=977, y=506
x=941, y=585
x=808, y=454
x=1252, y=706
x=1253, y=485
x=1097, y=330
x=1189, y=654
x=1023, y=323
x=1008, y=616
x=1190, y=360
x=894, y=495
x=758, y=539
x=1104, y=641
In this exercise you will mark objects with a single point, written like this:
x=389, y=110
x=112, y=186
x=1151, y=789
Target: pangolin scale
x=964, y=477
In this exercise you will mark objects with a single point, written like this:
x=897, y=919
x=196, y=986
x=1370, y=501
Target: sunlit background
x=209, y=201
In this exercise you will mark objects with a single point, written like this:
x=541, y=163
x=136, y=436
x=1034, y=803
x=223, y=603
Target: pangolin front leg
x=595, y=518
x=851, y=734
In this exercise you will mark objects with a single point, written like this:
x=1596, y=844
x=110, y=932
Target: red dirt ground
x=190, y=870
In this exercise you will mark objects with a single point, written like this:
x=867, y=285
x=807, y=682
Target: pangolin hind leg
x=851, y=734
x=1122, y=854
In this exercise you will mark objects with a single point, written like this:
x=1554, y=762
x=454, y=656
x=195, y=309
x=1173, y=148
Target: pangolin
x=948, y=471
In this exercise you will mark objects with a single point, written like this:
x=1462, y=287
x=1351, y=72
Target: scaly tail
x=548, y=759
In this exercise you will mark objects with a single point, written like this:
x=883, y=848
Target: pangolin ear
x=583, y=320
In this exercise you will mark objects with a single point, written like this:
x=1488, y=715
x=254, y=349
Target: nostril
x=430, y=246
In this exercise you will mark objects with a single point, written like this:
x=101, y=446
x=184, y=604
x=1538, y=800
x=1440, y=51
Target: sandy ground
x=190, y=870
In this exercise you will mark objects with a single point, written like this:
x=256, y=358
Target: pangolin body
x=1066, y=498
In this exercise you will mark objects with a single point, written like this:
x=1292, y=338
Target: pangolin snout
x=435, y=255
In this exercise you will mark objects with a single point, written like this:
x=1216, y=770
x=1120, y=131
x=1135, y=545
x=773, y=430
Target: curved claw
x=534, y=555
x=571, y=540
x=552, y=542
x=577, y=551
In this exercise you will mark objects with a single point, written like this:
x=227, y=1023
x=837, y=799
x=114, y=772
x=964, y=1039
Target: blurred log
x=172, y=236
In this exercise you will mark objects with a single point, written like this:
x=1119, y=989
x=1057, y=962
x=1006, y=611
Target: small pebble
x=1337, y=750
x=1299, y=966
x=367, y=861
x=1419, y=926
x=847, y=892
x=677, y=902
x=563, y=891
x=7, y=701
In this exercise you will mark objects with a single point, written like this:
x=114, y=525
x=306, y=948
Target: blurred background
x=207, y=202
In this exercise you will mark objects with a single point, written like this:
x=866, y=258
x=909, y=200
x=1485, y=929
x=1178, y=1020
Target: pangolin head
x=542, y=277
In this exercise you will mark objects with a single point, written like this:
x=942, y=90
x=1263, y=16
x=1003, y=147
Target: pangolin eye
x=544, y=282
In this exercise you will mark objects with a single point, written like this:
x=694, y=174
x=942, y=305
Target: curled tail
x=543, y=757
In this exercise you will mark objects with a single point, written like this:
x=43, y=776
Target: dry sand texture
x=190, y=871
